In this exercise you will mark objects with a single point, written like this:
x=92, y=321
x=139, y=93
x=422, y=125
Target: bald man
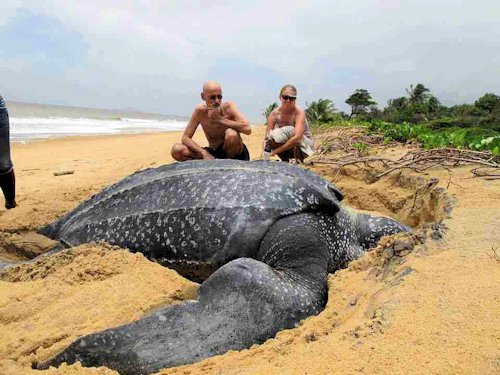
x=222, y=124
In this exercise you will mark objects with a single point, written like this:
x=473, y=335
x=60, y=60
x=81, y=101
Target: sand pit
x=425, y=303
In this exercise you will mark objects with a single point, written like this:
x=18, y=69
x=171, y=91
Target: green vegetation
x=455, y=137
x=359, y=101
x=321, y=111
x=361, y=148
x=423, y=118
x=271, y=107
x=488, y=102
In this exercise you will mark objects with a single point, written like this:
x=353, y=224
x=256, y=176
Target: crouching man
x=222, y=124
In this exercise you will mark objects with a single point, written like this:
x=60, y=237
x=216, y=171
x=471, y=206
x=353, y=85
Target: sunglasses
x=213, y=97
x=286, y=97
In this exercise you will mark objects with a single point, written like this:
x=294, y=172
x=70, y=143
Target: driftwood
x=487, y=173
x=62, y=173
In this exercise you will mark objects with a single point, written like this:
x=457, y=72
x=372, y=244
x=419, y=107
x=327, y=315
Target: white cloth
x=281, y=135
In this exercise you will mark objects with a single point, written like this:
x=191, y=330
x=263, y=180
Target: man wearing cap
x=222, y=124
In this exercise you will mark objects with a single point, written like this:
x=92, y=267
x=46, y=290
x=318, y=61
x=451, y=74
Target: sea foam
x=23, y=129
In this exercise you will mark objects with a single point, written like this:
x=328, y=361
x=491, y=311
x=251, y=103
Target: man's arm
x=300, y=126
x=187, y=137
x=239, y=122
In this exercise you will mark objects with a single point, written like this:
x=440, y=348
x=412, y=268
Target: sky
x=155, y=55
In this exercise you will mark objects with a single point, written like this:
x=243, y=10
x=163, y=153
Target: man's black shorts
x=219, y=153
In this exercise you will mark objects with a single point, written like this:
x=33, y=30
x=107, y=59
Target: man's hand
x=214, y=114
x=207, y=155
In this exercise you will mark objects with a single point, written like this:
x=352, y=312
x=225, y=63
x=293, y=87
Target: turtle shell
x=208, y=211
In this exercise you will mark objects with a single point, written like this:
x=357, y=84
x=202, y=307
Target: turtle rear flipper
x=244, y=302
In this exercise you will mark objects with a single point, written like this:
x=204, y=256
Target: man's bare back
x=222, y=124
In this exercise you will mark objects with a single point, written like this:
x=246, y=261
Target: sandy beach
x=428, y=307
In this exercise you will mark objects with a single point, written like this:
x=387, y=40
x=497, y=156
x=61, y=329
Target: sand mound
x=46, y=305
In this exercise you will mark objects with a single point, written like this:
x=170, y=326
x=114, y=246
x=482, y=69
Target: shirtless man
x=222, y=124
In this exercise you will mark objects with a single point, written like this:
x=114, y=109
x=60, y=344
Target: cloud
x=41, y=43
x=155, y=55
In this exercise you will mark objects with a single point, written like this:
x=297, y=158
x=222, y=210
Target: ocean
x=30, y=121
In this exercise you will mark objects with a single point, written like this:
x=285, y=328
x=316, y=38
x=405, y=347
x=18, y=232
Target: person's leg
x=298, y=154
x=7, y=178
x=181, y=152
x=218, y=152
x=233, y=145
x=244, y=155
x=8, y=185
x=286, y=155
x=279, y=137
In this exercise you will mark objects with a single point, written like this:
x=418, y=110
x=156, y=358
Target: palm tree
x=418, y=94
x=320, y=111
x=269, y=109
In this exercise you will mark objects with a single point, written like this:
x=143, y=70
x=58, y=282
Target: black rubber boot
x=8, y=185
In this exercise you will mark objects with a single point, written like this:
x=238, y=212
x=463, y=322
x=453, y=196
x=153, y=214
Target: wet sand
x=428, y=308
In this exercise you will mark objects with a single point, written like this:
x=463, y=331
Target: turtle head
x=371, y=228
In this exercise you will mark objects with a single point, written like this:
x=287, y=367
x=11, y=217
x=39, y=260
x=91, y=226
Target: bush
x=463, y=110
x=490, y=122
x=452, y=122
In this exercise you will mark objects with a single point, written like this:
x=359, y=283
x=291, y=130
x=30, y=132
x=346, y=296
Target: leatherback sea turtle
x=272, y=231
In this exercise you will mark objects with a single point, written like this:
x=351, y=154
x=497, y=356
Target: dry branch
x=487, y=173
x=421, y=160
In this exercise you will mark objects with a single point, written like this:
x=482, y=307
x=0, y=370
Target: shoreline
x=96, y=136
